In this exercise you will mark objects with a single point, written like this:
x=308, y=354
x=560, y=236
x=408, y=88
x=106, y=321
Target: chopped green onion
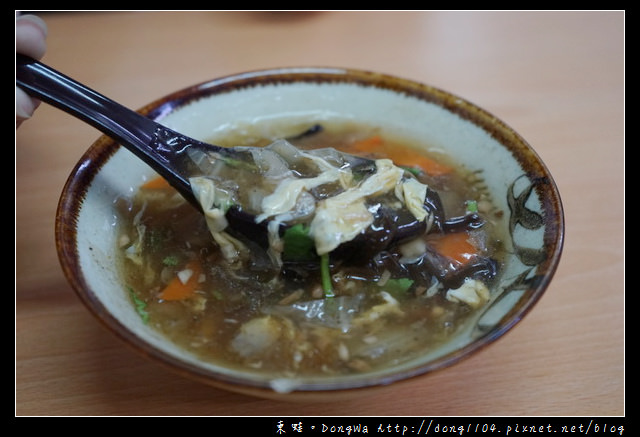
x=416, y=171
x=325, y=273
x=170, y=260
x=472, y=206
x=237, y=163
x=226, y=205
x=141, y=306
x=398, y=287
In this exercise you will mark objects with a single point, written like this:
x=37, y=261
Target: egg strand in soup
x=302, y=304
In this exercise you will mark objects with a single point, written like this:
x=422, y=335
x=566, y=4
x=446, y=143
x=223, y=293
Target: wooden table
x=556, y=77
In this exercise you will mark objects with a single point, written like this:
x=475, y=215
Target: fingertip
x=31, y=34
x=38, y=22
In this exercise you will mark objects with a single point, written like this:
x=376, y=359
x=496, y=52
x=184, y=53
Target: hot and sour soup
x=296, y=312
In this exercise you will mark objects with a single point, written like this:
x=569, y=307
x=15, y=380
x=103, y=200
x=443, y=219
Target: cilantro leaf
x=298, y=244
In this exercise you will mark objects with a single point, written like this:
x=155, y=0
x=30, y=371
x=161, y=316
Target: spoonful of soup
x=290, y=201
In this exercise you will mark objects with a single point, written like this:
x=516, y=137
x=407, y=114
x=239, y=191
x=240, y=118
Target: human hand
x=31, y=34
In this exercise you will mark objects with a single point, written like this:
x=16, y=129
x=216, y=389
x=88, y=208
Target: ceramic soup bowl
x=279, y=102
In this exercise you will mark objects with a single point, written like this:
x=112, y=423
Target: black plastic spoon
x=167, y=152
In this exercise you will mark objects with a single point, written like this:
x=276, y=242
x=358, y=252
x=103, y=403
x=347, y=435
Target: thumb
x=25, y=106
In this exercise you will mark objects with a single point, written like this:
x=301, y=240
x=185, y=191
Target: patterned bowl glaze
x=277, y=100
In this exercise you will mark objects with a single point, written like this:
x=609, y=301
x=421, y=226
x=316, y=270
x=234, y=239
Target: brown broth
x=284, y=326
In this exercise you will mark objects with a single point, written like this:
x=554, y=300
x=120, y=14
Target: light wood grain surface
x=555, y=77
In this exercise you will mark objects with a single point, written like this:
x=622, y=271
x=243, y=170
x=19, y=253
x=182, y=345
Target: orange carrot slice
x=405, y=158
x=179, y=289
x=455, y=246
x=400, y=155
x=158, y=183
x=367, y=145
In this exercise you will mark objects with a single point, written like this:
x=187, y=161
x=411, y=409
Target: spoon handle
x=158, y=146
